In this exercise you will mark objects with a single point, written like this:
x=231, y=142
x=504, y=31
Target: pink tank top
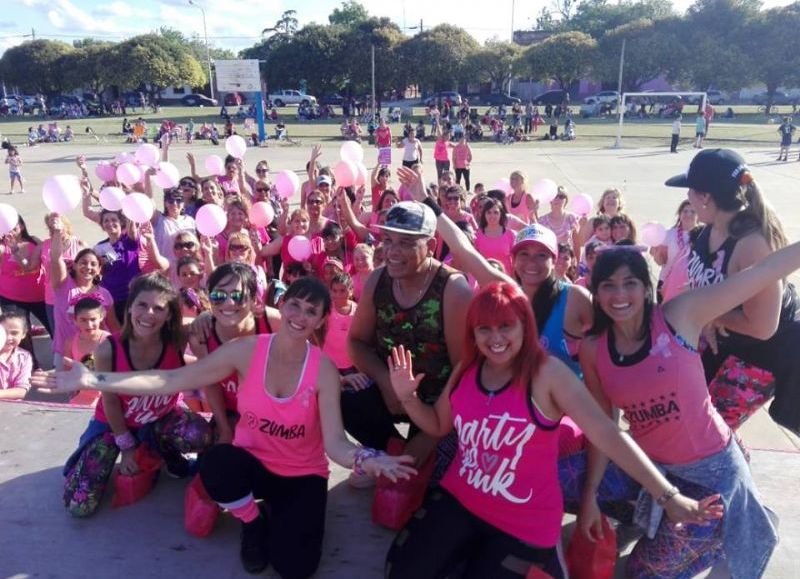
x=505, y=469
x=521, y=209
x=336, y=337
x=141, y=410
x=230, y=385
x=498, y=248
x=285, y=434
x=18, y=285
x=664, y=398
x=76, y=349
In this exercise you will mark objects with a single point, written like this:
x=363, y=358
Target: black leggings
x=465, y=173
x=367, y=419
x=443, y=536
x=296, y=521
x=441, y=167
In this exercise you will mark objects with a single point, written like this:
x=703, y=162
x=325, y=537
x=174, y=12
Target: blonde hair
x=243, y=239
x=66, y=222
x=522, y=176
x=607, y=193
x=755, y=214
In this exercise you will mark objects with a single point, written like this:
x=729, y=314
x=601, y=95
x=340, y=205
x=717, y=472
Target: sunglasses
x=237, y=248
x=187, y=184
x=218, y=297
x=314, y=202
x=184, y=245
x=262, y=170
x=262, y=190
x=453, y=198
x=175, y=200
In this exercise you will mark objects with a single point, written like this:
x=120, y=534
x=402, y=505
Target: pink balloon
x=363, y=175
x=581, y=204
x=62, y=193
x=147, y=155
x=299, y=248
x=105, y=171
x=210, y=220
x=236, y=146
x=503, y=185
x=286, y=184
x=8, y=218
x=653, y=234
x=137, y=207
x=121, y=158
x=214, y=165
x=261, y=214
x=545, y=190
x=111, y=198
x=167, y=175
x=345, y=173
x=129, y=174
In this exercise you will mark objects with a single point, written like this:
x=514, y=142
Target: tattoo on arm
x=101, y=377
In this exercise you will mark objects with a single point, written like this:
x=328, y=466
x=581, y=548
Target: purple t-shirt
x=120, y=262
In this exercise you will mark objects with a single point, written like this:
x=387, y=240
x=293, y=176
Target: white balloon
x=351, y=151
x=236, y=146
x=214, y=165
x=8, y=218
x=167, y=175
x=138, y=207
x=545, y=190
x=111, y=198
x=147, y=155
x=129, y=174
x=62, y=193
x=653, y=234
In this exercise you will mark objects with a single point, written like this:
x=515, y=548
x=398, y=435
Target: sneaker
x=361, y=481
x=253, y=550
x=180, y=467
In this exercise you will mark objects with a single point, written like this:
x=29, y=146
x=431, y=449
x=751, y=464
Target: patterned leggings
x=86, y=482
x=672, y=553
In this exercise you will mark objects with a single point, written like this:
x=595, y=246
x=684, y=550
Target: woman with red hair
x=499, y=507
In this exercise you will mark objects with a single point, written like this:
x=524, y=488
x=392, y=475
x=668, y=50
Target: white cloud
x=116, y=9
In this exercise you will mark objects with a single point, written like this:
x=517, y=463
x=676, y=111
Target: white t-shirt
x=165, y=229
x=410, y=150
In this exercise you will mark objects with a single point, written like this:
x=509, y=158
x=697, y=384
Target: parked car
x=334, y=99
x=60, y=100
x=551, y=97
x=452, y=96
x=595, y=108
x=779, y=98
x=197, y=100
x=230, y=99
x=604, y=96
x=495, y=100
x=282, y=98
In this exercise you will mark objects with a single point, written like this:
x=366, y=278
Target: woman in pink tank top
x=500, y=497
x=521, y=203
x=643, y=359
x=150, y=338
x=232, y=294
x=288, y=398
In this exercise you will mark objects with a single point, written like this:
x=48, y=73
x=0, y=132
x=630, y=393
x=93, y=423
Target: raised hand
x=401, y=374
x=413, y=182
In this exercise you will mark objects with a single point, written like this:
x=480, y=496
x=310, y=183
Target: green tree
x=33, y=66
x=386, y=37
x=89, y=66
x=349, y=15
x=595, y=17
x=155, y=60
x=770, y=37
x=564, y=58
x=437, y=58
x=496, y=62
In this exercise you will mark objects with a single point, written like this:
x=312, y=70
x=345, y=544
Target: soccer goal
x=628, y=96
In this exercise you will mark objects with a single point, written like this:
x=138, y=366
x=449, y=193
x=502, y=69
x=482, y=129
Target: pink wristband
x=125, y=441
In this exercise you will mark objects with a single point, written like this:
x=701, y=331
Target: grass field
x=749, y=126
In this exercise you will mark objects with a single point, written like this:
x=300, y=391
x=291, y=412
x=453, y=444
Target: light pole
x=208, y=51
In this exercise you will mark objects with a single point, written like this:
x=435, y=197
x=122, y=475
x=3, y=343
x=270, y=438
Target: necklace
x=422, y=289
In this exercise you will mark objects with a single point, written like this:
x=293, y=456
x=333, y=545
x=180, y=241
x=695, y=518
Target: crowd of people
x=505, y=330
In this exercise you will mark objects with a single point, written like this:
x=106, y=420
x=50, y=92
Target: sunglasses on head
x=184, y=245
x=238, y=247
x=218, y=297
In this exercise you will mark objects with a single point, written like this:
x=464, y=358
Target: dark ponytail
x=758, y=216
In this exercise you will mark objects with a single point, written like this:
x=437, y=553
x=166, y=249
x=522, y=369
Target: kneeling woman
x=150, y=338
x=288, y=398
x=499, y=508
x=642, y=359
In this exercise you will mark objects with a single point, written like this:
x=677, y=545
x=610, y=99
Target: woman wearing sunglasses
x=262, y=174
x=288, y=397
x=232, y=293
x=169, y=222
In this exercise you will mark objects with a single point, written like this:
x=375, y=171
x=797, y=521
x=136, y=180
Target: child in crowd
x=338, y=326
x=14, y=162
x=589, y=257
x=16, y=363
x=363, y=266
x=89, y=315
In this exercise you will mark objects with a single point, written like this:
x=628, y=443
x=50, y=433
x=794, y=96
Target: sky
x=237, y=24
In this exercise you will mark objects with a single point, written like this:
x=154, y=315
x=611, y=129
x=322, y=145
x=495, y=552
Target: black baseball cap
x=716, y=171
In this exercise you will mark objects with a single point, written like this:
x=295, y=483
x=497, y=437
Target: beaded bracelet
x=125, y=441
x=362, y=454
x=667, y=496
